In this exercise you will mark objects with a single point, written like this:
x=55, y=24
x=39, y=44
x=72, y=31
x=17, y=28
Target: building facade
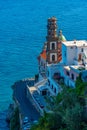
x=61, y=61
x=74, y=52
x=52, y=49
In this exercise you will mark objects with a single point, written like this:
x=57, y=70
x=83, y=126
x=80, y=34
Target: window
x=72, y=76
x=48, y=82
x=71, y=47
x=82, y=49
x=53, y=57
x=54, y=90
x=44, y=92
x=67, y=72
x=56, y=75
x=80, y=57
x=53, y=46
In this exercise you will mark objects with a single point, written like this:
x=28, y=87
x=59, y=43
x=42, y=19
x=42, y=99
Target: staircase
x=42, y=82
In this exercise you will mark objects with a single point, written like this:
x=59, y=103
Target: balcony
x=58, y=78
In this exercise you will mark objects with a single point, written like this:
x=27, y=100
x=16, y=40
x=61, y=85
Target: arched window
x=53, y=46
x=53, y=57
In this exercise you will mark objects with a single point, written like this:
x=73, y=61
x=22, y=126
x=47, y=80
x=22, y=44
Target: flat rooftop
x=78, y=43
x=75, y=67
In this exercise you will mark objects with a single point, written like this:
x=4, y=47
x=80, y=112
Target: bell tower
x=53, y=51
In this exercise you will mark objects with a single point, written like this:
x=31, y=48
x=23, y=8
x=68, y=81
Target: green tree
x=67, y=109
x=72, y=117
x=80, y=86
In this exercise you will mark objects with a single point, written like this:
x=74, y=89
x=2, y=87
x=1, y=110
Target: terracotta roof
x=43, y=54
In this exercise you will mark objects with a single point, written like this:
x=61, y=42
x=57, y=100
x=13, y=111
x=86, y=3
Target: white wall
x=53, y=68
x=71, y=55
x=56, y=68
x=55, y=85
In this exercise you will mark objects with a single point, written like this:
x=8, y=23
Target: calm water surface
x=22, y=34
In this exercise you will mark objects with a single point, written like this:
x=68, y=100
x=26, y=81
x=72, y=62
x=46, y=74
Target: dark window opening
x=72, y=76
x=71, y=47
x=53, y=46
x=55, y=90
x=81, y=49
x=80, y=57
x=53, y=57
x=67, y=72
x=44, y=92
x=48, y=82
x=56, y=76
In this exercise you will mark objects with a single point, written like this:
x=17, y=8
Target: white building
x=74, y=61
x=74, y=57
x=72, y=72
x=74, y=52
x=55, y=76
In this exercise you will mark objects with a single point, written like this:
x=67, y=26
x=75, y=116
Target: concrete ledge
x=30, y=91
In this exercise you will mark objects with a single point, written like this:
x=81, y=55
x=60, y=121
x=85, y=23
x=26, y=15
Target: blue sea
x=23, y=33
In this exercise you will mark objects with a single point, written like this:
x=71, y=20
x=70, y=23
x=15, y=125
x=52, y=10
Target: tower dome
x=61, y=36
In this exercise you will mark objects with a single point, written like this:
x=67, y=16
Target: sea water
x=22, y=35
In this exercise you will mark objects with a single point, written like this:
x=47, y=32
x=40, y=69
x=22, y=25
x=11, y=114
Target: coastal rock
x=10, y=113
